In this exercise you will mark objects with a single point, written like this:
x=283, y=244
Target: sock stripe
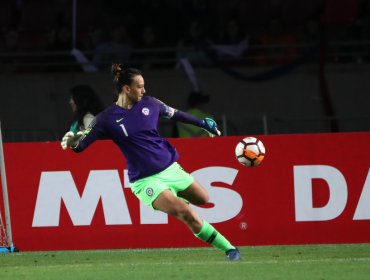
x=212, y=237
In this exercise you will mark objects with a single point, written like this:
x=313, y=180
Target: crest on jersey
x=145, y=111
x=149, y=191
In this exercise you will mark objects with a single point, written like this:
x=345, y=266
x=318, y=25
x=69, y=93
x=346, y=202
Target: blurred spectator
x=191, y=42
x=148, y=42
x=194, y=34
x=16, y=12
x=364, y=32
x=85, y=105
x=278, y=44
x=357, y=31
x=149, y=37
x=233, y=33
x=312, y=31
x=117, y=48
x=339, y=16
x=11, y=40
x=9, y=63
x=187, y=24
x=232, y=43
x=60, y=39
x=311, y=38
x=196, y=107
x=60, y=42
x=98, y=34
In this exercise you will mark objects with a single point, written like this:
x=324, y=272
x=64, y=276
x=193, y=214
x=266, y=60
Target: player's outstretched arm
x=207, y=124
x=71, y=140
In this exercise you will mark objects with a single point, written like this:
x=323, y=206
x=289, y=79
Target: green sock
x=210, y=235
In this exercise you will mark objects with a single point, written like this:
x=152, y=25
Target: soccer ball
x=250, y=151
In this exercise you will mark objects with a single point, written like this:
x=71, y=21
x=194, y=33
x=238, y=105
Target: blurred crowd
x=112, y=30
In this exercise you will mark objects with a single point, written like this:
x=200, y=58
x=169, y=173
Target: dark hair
x=122, y=76
x=86, y=100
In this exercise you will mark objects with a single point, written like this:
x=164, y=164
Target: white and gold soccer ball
x=250, y=151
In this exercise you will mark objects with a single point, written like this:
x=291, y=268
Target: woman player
x=155, y=176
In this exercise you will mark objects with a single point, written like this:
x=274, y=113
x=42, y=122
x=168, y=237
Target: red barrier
x=310, y=188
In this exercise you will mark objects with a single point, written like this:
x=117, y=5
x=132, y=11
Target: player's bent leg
x=178, y=208
x=174, y=206
x=195, y=194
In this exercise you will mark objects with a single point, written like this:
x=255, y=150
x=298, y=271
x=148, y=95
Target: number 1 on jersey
x=124, y=129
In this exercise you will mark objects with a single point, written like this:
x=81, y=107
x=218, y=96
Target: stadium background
x=291, y=68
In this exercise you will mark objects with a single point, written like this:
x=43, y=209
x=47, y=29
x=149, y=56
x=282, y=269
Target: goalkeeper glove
x=71, y=140
x=211, y=127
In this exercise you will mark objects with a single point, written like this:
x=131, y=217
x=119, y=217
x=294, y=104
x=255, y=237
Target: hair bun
x=116, y=69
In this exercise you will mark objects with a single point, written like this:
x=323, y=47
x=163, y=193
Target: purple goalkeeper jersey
x=135, y=133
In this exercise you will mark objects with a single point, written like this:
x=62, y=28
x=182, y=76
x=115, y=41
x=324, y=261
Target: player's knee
x=203, y=199
x=183, y=213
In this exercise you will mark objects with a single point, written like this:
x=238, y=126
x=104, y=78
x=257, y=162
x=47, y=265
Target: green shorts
x=173, y=178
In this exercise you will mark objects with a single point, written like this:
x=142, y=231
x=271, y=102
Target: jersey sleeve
x=165, y=111
x=95, y=131
x=178, y=115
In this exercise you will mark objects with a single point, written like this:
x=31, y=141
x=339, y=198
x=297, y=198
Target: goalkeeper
x=155, y=176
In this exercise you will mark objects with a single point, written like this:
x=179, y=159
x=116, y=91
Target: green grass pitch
x=323, y=262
